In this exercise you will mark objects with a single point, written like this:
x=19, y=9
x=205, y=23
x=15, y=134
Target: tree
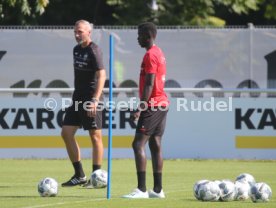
x=132, y=12
x=270, y=9
x=265, y=14
x=181, y=12
x=21, y=12
x=67, y=12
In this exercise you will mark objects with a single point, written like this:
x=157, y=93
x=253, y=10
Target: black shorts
x=77, y=116
x=152, y=122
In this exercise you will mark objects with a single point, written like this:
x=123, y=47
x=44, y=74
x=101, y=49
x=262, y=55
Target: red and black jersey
x=87, y=61
x=154, y=62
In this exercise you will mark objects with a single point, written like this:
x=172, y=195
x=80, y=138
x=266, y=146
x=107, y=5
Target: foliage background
x=132, y=12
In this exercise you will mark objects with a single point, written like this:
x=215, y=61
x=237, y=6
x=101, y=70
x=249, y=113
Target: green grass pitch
x=19, y=178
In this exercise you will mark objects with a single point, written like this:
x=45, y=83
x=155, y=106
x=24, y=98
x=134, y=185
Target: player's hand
x=92, y=109
x=134, y=115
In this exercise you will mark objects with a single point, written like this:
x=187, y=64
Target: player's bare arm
x=101, y=77
x=149, y=82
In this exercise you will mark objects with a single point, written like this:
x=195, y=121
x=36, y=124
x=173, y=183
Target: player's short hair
x=149, y=28
x=86, y=23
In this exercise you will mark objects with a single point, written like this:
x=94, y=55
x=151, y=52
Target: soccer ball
x=260, y=192
x=245, y=177
x=228, y=191
x=242, y=190
x=99, y=178
x=196, y=188
x=47, y=187
x=217, y=181
x=208, y=191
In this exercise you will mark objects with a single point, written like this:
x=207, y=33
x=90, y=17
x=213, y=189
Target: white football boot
x=153, y=194
x=137, y=194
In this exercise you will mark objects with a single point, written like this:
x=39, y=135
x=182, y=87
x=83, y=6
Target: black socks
x=141, y=176
x=157, y=177
x=78, y=169
x=96, y=167
x=157, y=187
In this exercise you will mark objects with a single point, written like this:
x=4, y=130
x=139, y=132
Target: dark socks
x=141, y=176
x=96, y=167
x=157, y=177
x=157, y=187
x=78, y=169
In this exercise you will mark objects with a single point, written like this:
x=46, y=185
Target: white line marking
x=83, y=201
x=62, y=203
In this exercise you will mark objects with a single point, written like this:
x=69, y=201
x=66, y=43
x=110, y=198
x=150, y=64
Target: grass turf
x=19, y=178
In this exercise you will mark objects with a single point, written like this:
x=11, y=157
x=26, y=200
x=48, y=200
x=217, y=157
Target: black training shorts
x=77, y=116
x=152, y=121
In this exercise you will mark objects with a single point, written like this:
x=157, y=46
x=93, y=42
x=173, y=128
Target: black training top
x=87, y=61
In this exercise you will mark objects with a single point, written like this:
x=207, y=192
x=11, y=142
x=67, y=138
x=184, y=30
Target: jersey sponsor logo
x=85, y=56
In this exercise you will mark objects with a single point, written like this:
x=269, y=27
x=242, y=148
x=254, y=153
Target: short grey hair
x=86, y=23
